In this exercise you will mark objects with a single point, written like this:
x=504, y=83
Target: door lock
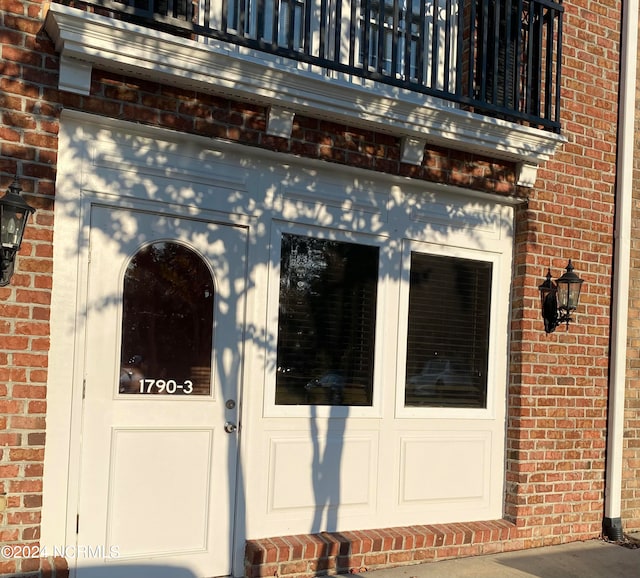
x=230, y=427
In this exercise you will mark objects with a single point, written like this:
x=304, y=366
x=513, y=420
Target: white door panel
x=157, y=464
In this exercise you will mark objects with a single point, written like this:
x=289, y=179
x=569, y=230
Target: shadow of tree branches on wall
x=133, y=170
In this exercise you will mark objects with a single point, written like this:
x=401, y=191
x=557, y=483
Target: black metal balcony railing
x=500, y=58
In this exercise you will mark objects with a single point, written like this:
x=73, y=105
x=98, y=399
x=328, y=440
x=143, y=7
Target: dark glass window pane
x=167, y=322
x=448, y=336
x=326, y=324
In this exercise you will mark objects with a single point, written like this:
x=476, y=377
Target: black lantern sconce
x=559, y=299
x=14, y=213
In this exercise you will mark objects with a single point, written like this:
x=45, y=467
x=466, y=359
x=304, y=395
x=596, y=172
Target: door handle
x=230, y=427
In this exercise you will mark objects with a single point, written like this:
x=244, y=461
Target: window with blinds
x=326, y=322
x=448, y=332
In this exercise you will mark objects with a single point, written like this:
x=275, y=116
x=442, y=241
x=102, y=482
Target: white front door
x=164, y=342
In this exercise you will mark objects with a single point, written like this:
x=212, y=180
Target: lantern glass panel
x=563, y=295
x=574, y=294
x=12, y=228
x=568, y=294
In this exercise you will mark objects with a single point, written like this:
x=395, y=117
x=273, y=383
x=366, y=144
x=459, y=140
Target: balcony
x=479, y=75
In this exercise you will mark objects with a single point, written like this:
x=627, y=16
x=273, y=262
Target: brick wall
x=557, y=384
x=631, y=447
x=28, y=148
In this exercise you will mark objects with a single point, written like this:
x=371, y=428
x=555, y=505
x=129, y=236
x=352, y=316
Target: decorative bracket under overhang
x=85, y=40
x=412, y=150
x=279, y=121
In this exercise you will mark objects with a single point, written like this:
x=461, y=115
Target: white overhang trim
x=85, y=40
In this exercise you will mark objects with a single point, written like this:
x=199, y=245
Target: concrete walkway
x=591, y=559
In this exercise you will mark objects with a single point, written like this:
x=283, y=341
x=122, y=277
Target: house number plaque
x=169, y=386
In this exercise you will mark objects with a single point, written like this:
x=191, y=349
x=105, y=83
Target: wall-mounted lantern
x=559, y=299
x=14, y=213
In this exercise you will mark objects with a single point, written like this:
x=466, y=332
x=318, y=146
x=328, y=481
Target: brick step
x=306, y=556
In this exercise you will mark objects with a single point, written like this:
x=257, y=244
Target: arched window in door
x=167, y=322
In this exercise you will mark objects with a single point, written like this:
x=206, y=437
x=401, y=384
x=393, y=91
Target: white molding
x=284, y=159
x=86, y=39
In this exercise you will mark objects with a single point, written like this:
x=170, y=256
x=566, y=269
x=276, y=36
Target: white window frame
x=496, y=372
x=273, y=304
